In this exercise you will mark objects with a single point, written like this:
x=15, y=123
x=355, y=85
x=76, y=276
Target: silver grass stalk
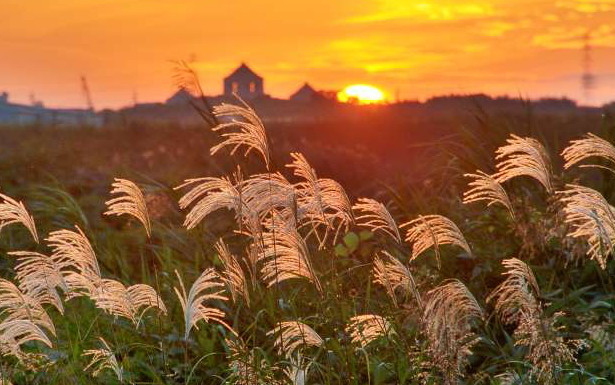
x=73, y=253
x=290, y=336
x=394, y=275
x=245, y=129
x=131, y=303
x=233, y=275
x=374, y=216
x=516, y=303
x=367, y=328
x=323, y=202
x=590, y=146
x=485, y=188
x=14, y=333
x=285, y=255
x=39, y=277
x=523, y=157
x=103, y=359
x=17, y=305
x=130, y=201
x=592, y=218
x=433, y=231
x=266, y=192
x=208, y=287
x=12, y=211
x=449, y=315
x=515, y=298
x=209, y=195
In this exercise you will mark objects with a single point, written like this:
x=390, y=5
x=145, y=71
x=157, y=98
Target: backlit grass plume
x=73, y=253
x=590, y=146
x=285, y=255
x=367, y=328
x=323, y=201
x=15, y=333
x=395, y=276
x=516, y=303
x=485, y=187
x=129, y=202
x=245, y=129
x=40, y=277
x=523, y=157
x=131, y=303
x=291, y=336
x=16, y=305
x=209, y=195
x=272, y=191
x=428, y=231
x=591, y=218
x=233, y=274
x=450, y=314
x=195, y=303
x=12, y=211
x=375, y=216
x=104, y=359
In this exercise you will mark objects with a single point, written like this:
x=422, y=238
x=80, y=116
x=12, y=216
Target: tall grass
x=301, y=286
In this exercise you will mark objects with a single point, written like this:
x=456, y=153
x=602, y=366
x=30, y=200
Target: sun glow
x=361, y=94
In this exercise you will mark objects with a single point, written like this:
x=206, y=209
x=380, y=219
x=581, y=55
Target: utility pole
x=588, y=81
x=86, y=93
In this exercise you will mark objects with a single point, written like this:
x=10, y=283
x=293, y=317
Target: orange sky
x=418, y=48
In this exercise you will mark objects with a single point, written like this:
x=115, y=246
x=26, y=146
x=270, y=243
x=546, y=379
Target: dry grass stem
x=433, y=231
x=367, y=328
x=12, y=211
x=591, y=218
x=449, y=316
x=485, y=187
x=591, y=146
x=523, y=157
x=130, y=201
x=375, y=216
x=245, y=129
x=291, y=336
x=208, y=287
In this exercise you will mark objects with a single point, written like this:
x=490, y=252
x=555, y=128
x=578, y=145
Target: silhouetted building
x=305, y=94
x=244, y=82
x=180, y=97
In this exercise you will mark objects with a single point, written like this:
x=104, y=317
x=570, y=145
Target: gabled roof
x=243, y=70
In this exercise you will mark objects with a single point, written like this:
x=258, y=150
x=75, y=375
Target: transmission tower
x=86, y=93
x=588, y=81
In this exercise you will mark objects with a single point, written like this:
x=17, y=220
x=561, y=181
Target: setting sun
x=361, y=93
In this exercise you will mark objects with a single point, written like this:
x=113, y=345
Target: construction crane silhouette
x=588, y=80
x=86, y=93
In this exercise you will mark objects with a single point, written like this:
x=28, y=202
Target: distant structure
x=305, y=94
x=587, y=79
x=87, y=95
x=244, y=82
x=180, y=97
x=36, y=113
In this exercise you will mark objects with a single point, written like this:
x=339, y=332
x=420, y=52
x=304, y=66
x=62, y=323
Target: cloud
x=424, y=10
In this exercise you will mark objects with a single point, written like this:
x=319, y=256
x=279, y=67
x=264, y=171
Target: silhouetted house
x=305, y=94
x=244, y=82
x=180, y=97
